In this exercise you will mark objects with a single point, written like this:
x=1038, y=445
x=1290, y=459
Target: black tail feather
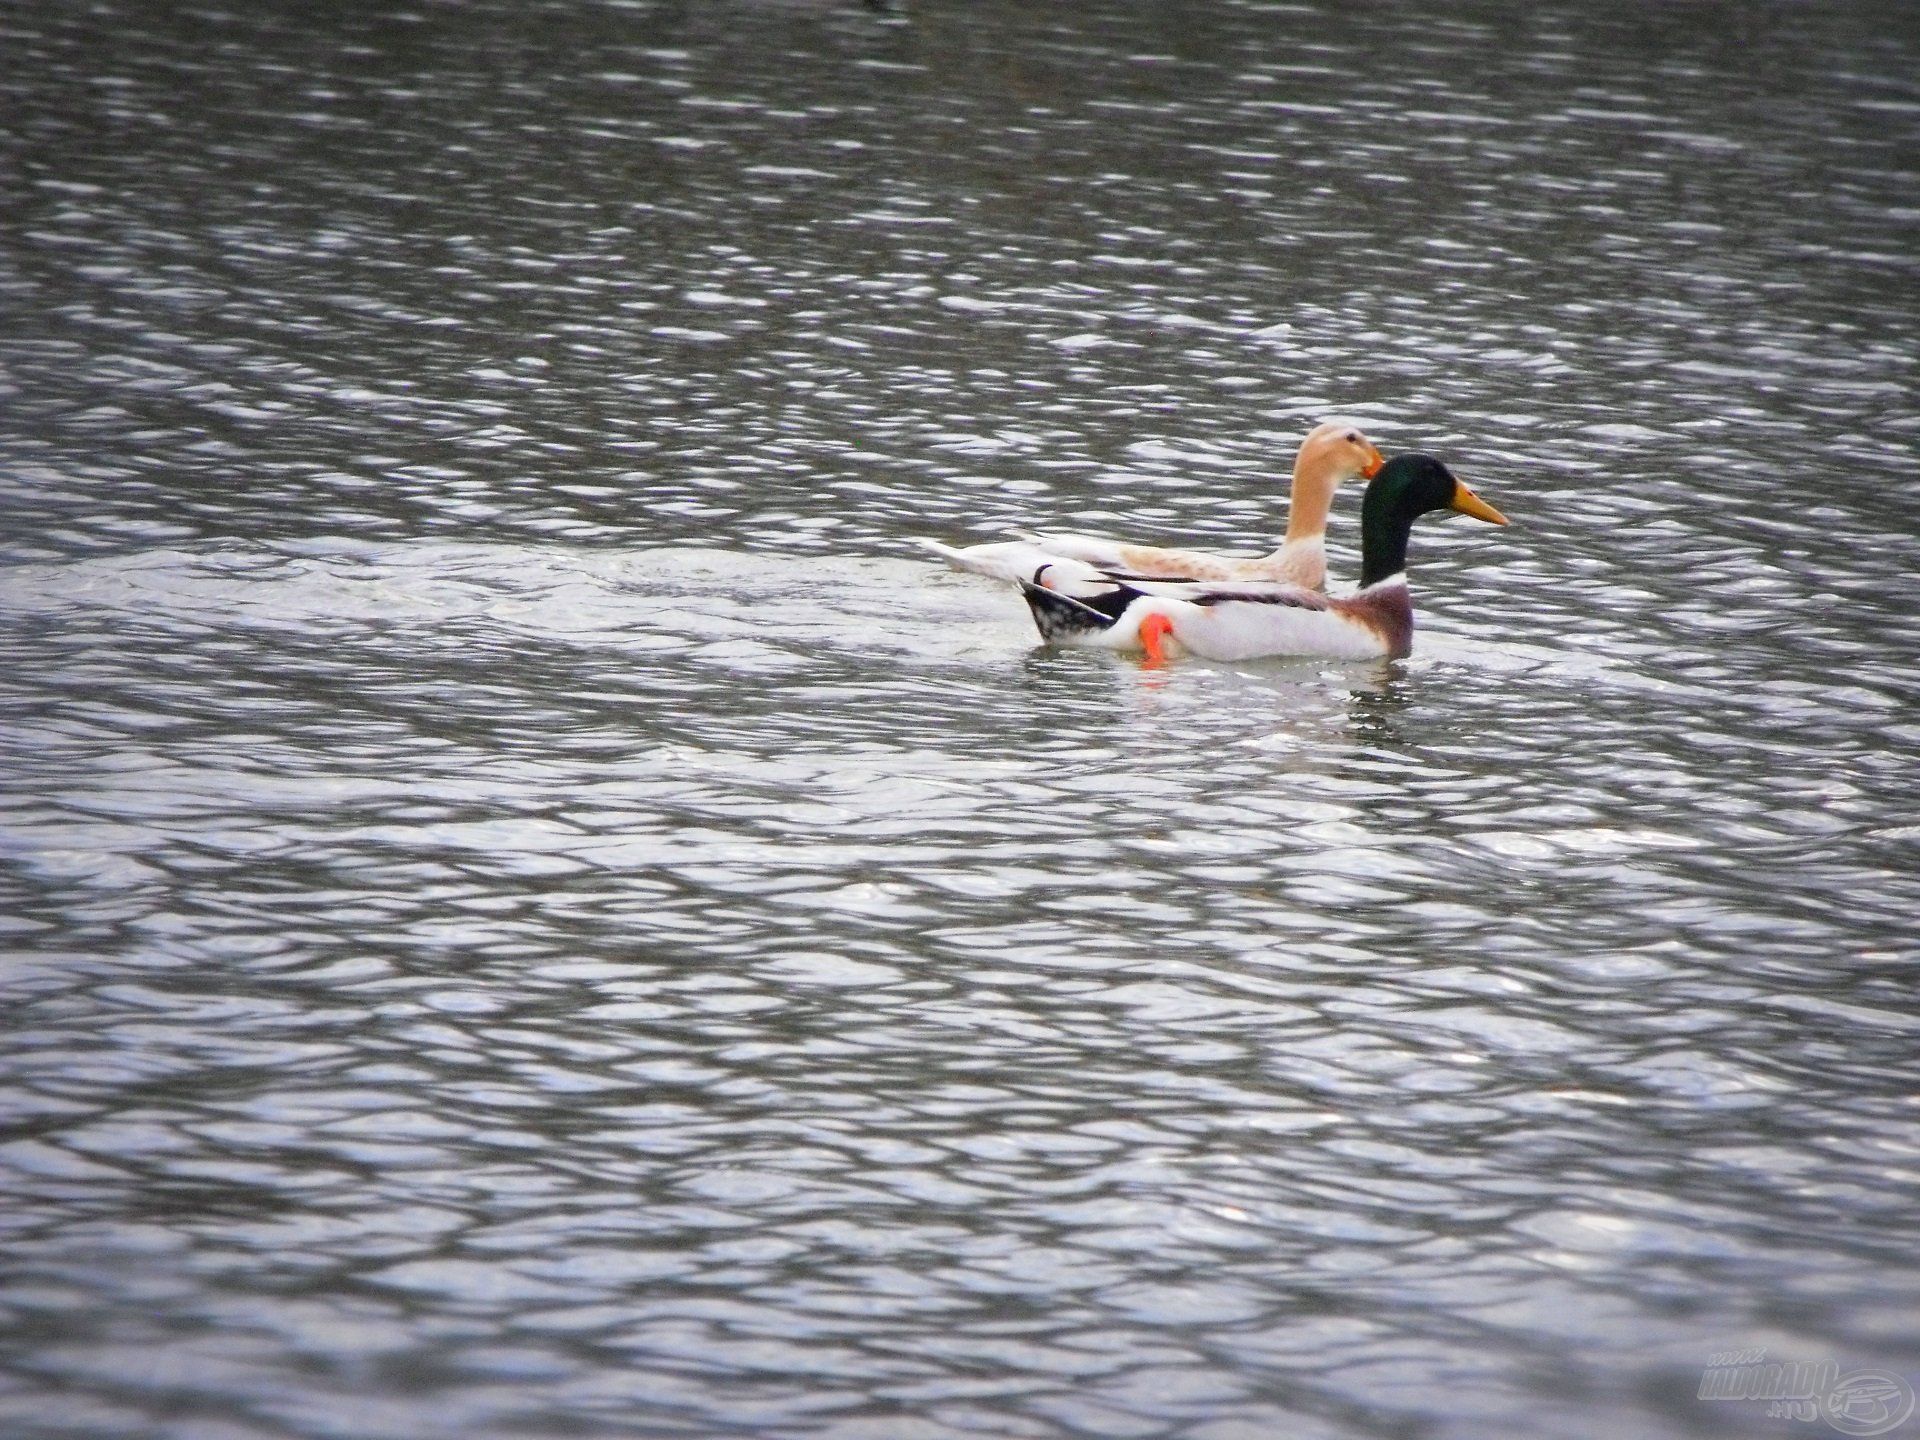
x=1058, y=615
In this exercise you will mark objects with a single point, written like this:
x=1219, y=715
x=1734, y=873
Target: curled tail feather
x=1063, y=617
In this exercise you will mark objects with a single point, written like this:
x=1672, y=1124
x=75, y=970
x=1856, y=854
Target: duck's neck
x=1385, y=524
x=1312, y=501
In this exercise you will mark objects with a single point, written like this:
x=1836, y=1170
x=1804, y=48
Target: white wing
x=1024, y=562
x=1014, y=560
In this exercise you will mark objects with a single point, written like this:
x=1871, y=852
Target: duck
x=1244, y=621
x=1332, y=453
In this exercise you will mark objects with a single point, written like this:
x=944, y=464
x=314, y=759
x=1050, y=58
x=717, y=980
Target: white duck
x=1239, y=621
x=1331, y=453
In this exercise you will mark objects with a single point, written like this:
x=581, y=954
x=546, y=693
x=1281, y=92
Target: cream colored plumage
x=1330, y=454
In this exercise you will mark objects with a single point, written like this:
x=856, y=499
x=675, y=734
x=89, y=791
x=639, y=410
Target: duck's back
x=1298, y=562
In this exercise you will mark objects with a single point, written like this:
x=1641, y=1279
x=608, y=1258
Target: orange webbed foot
x=1153, y=634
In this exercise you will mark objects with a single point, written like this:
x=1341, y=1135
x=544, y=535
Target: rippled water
x=529, y=911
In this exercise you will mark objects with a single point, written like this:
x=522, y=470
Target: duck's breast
x=1386, y=611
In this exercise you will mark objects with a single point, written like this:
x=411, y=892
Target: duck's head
x=1331, y=453
x=1338, y=451
x=1407, y=487
x=1414, y=484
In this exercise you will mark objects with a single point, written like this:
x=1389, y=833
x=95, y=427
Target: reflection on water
x=529, y=911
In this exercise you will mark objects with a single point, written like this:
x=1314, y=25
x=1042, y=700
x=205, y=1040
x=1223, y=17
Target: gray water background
x=530, y=910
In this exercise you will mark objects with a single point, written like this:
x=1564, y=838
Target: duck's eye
x=1353, y=437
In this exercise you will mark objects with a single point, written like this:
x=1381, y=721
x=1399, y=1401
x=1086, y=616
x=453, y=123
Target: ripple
x=529, y=909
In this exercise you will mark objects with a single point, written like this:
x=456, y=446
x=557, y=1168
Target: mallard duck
x=1331, y=453
x=1241, y=621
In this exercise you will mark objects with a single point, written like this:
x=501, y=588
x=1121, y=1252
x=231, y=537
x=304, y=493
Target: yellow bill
x=1468, y=503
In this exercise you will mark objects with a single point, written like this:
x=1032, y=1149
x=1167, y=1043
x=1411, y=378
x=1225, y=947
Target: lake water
x=529, y=909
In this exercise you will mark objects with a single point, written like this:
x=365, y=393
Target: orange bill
x=1374, y=461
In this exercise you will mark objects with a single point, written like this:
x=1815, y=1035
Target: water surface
x=530, y=910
